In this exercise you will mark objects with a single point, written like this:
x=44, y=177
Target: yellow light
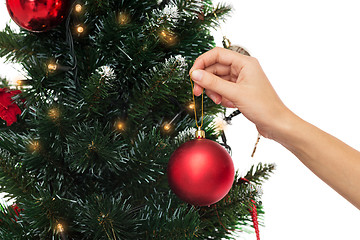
x=80, y=29
x=124, y=18
x=52, y=67
x=18, y=81
x=191, y=106
x=167, y=127
x=78, y=8
x=119, y=125
x=34, y=146
x=54, y=113
x=168, y=37
x=59, y=228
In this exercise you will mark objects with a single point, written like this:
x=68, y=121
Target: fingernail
x=231, y=105
x=214, y=98
x=197, y=94
x=196, y=75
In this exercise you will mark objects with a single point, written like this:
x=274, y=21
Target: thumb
x=212, y=82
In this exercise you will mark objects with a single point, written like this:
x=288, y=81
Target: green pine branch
x=11, y=46
x=11, y=225
x=106, y=217
x=3, y=83
x=16, y=182
x=232, y=213
x=97, y=94
x=66, y=162
x=165, y=217
x=259, y=173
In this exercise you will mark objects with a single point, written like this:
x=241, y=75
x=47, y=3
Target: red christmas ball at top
x=200, y=172
x=38, y=15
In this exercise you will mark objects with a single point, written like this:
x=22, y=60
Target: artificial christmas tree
x=104, y=103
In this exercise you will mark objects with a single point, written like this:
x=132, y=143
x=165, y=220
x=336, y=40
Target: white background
x=310, y=51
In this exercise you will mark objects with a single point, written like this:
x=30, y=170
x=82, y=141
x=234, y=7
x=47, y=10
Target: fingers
x=209, y=81
x=217, y=99
x=214, y=96
x=219, y=69
x=198, y=90
x=212, y=71
x=227, y=103
x=218, y=55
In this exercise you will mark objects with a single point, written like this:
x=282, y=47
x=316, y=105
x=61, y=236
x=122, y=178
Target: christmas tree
x=86, y=136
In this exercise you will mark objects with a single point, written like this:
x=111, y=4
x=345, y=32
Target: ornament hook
x=200, y=133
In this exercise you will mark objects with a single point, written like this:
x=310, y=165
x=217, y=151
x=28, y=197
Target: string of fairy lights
x=78, y=9
x=167, y=37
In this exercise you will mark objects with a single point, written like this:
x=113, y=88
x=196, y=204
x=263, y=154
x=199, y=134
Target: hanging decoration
x=253, y=211
x=38, y=15
x=200, y=172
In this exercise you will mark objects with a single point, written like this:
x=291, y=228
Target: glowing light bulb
x=78, y=8
x=80, y=29
x=120, y=126
x=52, y=67
x=54, y=113
x=124, y=18
x=168, y=37
x=60, y=228
x=17, y=81
x=34, y=146
x=167, y=127
x=191, y=106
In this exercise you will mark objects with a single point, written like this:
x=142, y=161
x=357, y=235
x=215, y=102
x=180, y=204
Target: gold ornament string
x=202, y=105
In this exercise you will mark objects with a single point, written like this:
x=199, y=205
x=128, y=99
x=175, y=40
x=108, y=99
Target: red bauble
x=38, y=15
x=200, y=172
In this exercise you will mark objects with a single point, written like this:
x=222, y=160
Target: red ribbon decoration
x=254, y=217
x=253, y=212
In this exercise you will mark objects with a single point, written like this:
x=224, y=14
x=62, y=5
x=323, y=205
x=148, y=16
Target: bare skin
x=238, y=81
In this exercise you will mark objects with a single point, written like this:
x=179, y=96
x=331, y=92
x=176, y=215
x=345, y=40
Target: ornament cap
x=226, y=42
x=200, y=133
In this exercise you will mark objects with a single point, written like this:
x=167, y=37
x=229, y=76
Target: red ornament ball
x=38, y=15
x=200, y=172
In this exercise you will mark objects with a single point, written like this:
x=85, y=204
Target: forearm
x=333, y=161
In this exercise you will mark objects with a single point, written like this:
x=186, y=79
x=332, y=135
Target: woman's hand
x=238, y=81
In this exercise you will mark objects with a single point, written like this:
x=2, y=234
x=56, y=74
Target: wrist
x=288, y=130
x=284, y=125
